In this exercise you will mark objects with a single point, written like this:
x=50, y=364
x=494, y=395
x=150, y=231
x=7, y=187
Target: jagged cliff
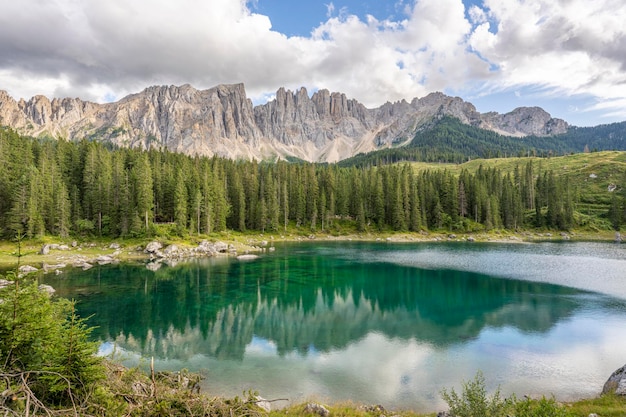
x=222, y=121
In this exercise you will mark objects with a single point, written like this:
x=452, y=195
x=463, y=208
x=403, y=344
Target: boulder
x=45, y=249
x=221, y=247
x=27, y=269
x=114, y=245
x=47, y=267
x=153, y=247
x=47, y=289
x=313, y=408
x=79, y=262
x=171, y=250
x=206, y=248
x=376, y=409
x=616, y=384
x=104, y=260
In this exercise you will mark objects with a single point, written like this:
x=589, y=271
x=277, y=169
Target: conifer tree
x=180, y=204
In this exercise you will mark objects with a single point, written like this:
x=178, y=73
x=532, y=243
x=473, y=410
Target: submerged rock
x=247, y=257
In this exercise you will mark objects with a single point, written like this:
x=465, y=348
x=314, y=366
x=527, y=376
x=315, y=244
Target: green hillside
x=449, y=140
x=591, y=174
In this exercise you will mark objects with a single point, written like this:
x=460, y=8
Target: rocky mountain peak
x=327, y=126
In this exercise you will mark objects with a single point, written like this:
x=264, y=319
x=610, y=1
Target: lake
x=376, y=323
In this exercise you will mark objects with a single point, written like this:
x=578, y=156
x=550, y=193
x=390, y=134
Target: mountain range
x=222, y=121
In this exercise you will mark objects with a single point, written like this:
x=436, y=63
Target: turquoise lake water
x=380, y=323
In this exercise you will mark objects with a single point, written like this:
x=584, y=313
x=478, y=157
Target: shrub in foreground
x=474, y=402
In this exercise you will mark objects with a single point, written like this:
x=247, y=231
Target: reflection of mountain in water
x=300, y=303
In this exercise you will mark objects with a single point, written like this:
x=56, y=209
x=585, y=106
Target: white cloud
x=330, y=10
x=98, y=50
x=568, y=47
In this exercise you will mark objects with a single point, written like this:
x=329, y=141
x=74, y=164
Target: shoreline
x=65, y=253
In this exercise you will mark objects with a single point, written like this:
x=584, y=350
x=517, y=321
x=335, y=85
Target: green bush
x=474, y=402
x=543, y=407
x=45, y=354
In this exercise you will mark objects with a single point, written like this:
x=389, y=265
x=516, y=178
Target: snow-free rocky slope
x=324, y=127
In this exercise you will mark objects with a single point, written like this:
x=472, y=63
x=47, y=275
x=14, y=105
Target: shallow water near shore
x=383, y=323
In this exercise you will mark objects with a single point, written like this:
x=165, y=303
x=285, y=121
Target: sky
x=567, y=56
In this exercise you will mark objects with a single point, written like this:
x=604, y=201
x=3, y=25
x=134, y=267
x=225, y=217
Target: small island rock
x=27, y=269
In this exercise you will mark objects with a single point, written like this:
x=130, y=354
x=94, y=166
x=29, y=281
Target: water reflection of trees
x=302, y=303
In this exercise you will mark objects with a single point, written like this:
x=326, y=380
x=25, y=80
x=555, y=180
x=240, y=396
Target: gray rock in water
x=104, y=260
x=27, y=269
x=47, y=267
x=616, y=384
x=313, y=408
x=47, y=289
x=5, y=283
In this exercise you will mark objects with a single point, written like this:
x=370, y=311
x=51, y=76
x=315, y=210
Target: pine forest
x=61, y=188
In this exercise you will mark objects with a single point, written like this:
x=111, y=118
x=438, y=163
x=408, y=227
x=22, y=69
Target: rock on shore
x=616, y=384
